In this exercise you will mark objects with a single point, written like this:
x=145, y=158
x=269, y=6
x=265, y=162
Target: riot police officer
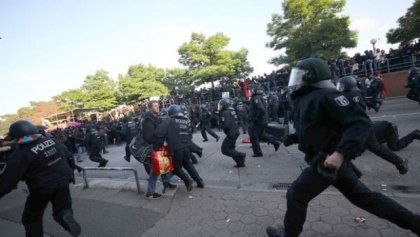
x=330, y=131
x=93, y=145
x=273, y=106
x=413, y=82
x=44, y=165
x=229, y=124
x=205, y=122
x=387, y=132
x=348, y=86
x=176, y=131
x=285, y=107
x=374, y=86
x=130, y=130
x=259, y=119
x=242, y=111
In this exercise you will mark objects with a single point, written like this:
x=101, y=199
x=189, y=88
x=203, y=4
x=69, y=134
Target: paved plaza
x=234, y=202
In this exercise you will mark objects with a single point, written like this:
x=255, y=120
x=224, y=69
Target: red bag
x=161, y=161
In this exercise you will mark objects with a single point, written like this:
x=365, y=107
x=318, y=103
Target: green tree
x=141, y=82
x=310, y=28
x=208, y=60
x=409, y=26
x=70, y=100
x=178, y=78
x=99, y=91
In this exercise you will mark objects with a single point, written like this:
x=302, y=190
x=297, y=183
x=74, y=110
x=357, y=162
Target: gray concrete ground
x=235, y=202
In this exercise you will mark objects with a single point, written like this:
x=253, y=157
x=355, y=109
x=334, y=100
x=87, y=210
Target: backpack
x=140, y=149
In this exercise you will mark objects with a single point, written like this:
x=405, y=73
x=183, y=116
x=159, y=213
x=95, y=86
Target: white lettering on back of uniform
x=3, y=166
x=42, y=146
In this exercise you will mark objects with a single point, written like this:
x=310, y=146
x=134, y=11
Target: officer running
x=229, y=124
x=348, y=86
x=176, y=131
x=43, y=163
x=413, y=82
x=259, y=119
x=130, y=130
x=331, y=132
x=94, y=145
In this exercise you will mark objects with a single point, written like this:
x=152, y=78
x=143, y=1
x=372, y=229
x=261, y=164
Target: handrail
x=110, y=168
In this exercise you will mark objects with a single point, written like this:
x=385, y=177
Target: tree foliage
x=141, y=82
x=178, y=78
x=34, y=113
x=99, y=91
x=70, y=99
x=310, y=28
x=208, y=60
x=409, y=26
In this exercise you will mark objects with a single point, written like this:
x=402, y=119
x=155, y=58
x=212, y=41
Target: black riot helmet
x=175, y=110
x=164, y=113
x=413, y=71
x=224, y=104
x=311, y=72
x=185, y=110
x=347, y=83
x=22, y=128
x=257, y=90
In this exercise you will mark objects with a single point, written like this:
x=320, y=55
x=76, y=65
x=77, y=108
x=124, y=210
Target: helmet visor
x=296, y=77
x=340, y=87
x=219, y=107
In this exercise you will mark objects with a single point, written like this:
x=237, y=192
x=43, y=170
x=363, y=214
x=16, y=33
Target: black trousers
x=95, y=155
x=396, y=144
x=36, y=203
x=207, y=128
x=243, y=123
x=181, y=160
x=127, y=149
x=414, y=94
x=310, y=184
x=373, y=145
x=228, y=147
x=257, y=133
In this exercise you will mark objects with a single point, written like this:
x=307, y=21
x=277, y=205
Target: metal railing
x=108, y=169
x=390, y=65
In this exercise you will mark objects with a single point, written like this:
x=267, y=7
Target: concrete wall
x=395, y=82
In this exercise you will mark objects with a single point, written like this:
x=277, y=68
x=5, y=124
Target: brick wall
x=395, y=82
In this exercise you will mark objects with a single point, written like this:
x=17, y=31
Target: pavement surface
x=235, y=202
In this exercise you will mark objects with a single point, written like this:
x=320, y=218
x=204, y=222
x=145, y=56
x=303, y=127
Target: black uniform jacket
x=40, y=163
x=176, y=131
x=229, y=122
x=325, y=121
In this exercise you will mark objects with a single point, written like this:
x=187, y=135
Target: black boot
x=167, y=186
x=200, y=184
x=416, y=134
x=276, y=146
x=103, y=164
x=275, y=232
x=189, y=185
x=72, y=226
x=403, y=166
x=240, y=160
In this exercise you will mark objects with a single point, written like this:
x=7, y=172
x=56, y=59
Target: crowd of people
x=329, y=117
x=375, y=61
